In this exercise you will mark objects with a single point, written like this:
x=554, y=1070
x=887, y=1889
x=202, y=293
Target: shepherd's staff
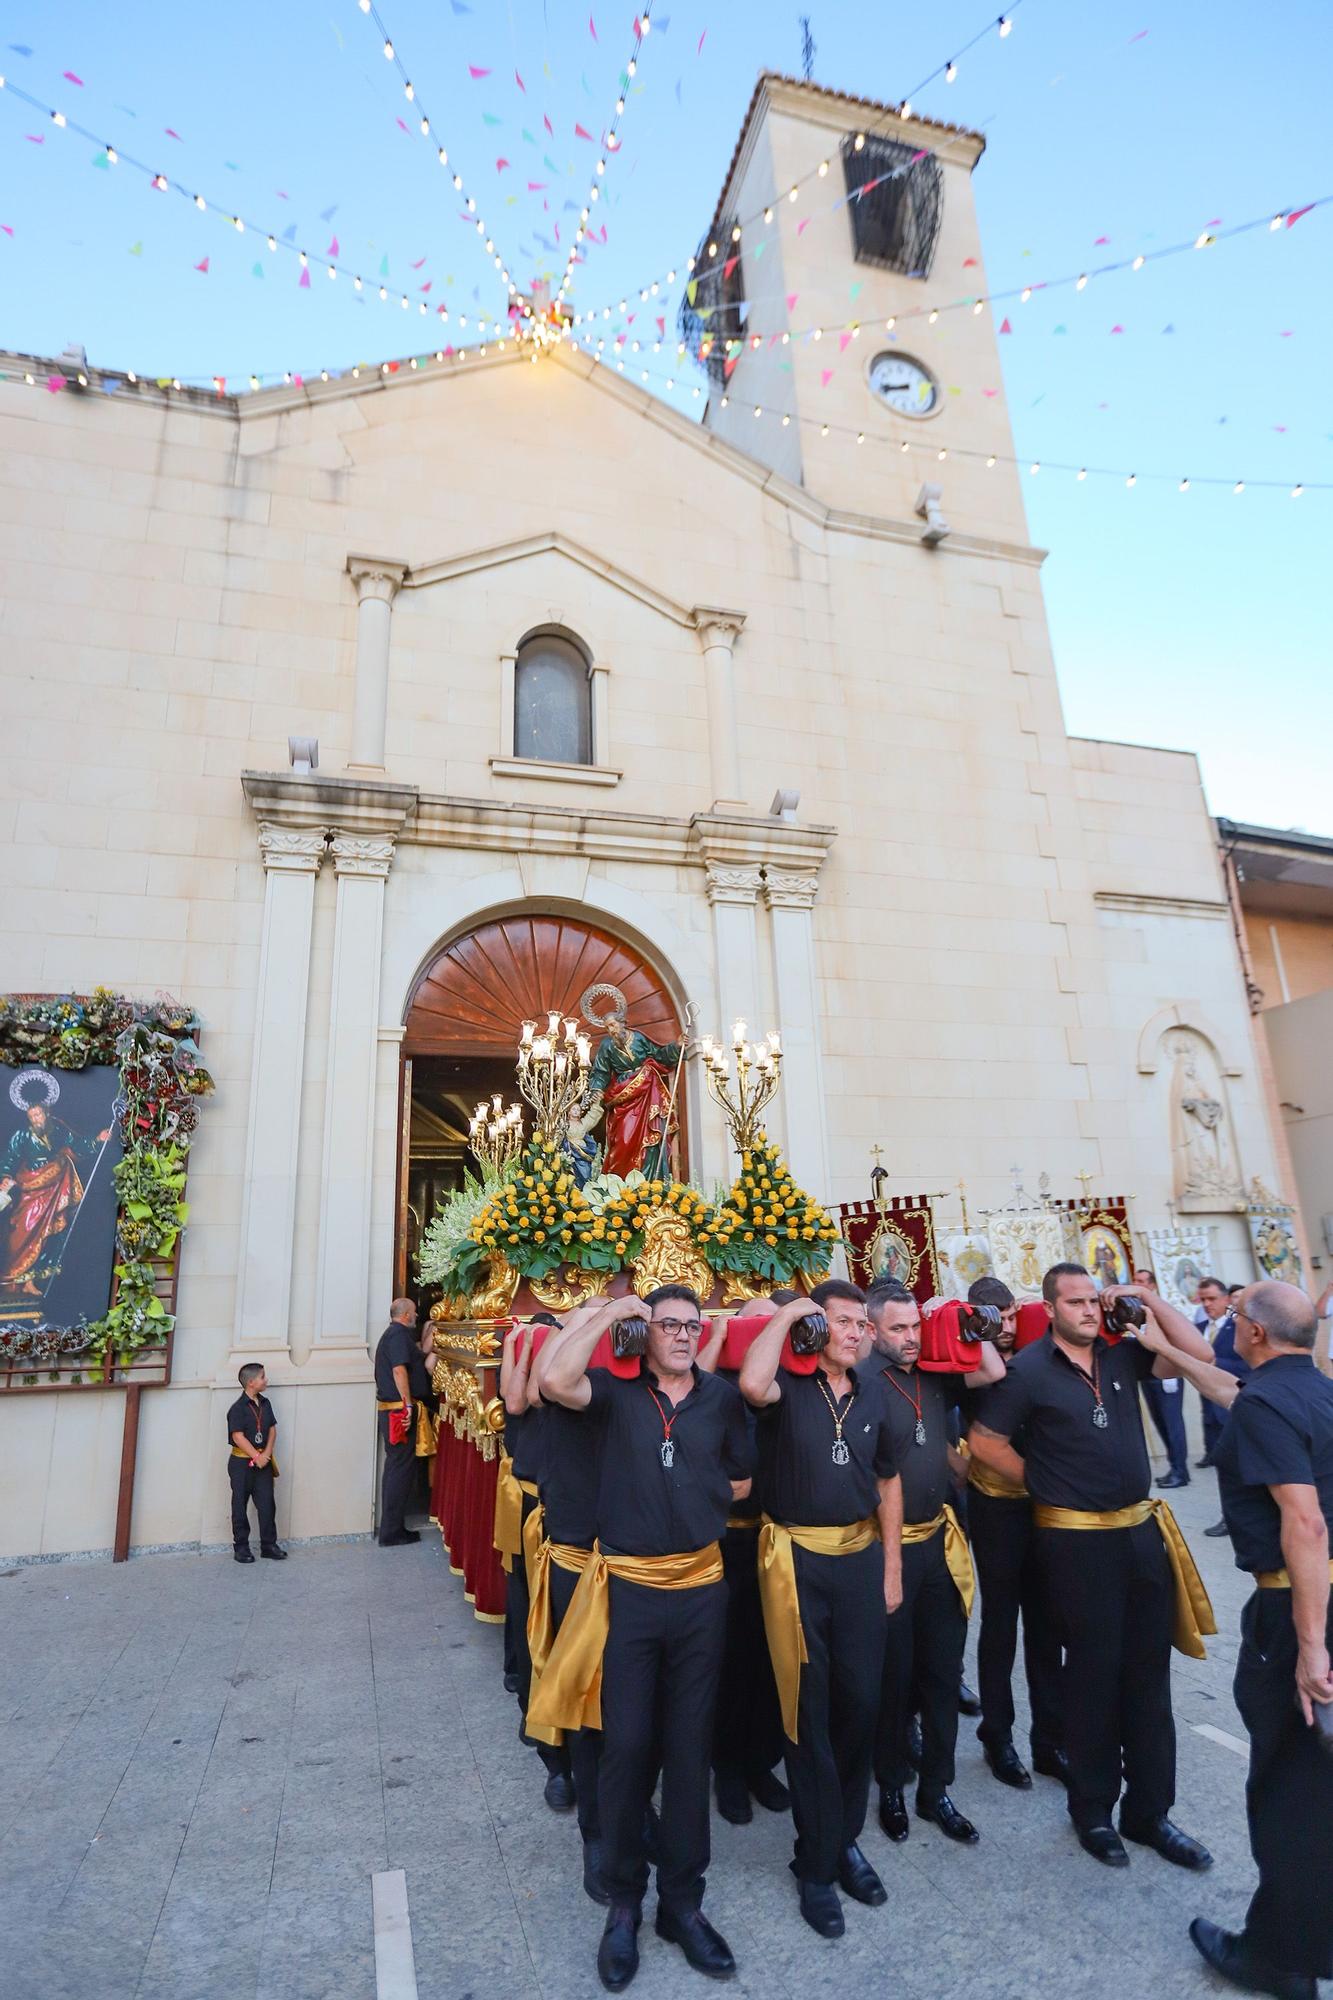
x=662, y=1152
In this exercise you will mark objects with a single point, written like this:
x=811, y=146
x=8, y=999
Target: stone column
x=377, y=584
x=718, y=631
x=361, y=864
x=733, y=896
x=292, y=859
x=790, y=900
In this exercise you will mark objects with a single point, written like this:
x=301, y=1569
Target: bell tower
x=835, y=287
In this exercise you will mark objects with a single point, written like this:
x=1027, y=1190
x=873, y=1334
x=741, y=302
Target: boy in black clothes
x=251, y=1428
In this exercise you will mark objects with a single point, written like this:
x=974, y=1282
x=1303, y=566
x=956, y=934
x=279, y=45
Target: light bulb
x=1082, y=472
x=859, y=142
x=951, y=73
x=1202, y=241
x=905, y=108
x=1025, y=295
x=1184, y=486
x=160, y=183
x=57, y=117
x=990, y=461
x=1296, y=492
x=890, y=323
x=408, y=92
x=199, y=201
x=823, y=168
x=1133, y=479
x=1082, y=281
x=1276, y=223
x=933, y=315
x=1239, y=486
x=1005, y=26
x=1035, y=467
x=942, y=453
x=388, y=52
x=112, y=156
x=978, y=306
x=1139, y=262
x=272, y=242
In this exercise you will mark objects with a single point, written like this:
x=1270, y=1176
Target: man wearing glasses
x=640, y=1650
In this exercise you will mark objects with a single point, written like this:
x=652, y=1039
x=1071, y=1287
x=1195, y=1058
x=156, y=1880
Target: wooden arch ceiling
x=474, y=997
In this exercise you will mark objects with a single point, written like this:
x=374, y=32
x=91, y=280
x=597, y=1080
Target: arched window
x=552, y=701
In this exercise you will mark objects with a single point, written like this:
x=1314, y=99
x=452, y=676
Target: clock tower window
x=895, y=201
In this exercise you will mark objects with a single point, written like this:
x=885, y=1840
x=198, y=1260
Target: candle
x=775, y=1041
x=529, y=1030
x=585, y=1050
x=553, y=1025
x=571, y=1031
x=738, y=1034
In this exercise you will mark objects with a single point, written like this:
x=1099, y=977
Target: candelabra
x=553, y=1073
x=758, y=1066
x=496, y=1135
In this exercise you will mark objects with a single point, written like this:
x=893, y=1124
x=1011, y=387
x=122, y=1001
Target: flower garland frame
x=154, y=1046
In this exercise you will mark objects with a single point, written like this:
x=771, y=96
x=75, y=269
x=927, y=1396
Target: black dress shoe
x=1007, y=1765
x=592, y=1872
x=968, y=1703
x=274, y=1555
x=733, y=1798
x=914, y=1742
x=401, y=1539
x=618, y=1953
x=859, y=1879
x=1234, y=1959
x=1172, y=1479
x=1216, y=1532
x=1168, y=1840
x=242, y=1556
x=704, y=1948
x=1206, y=1460
x=558, y=1792
x=1103, y=1843
x=769, y=1791
x=821, y=1909
x=1051, y=1764
x=511, y=1683
x=948, y=1819
x=893, y=1815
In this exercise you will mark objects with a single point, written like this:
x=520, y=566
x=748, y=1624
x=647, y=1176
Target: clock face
x=904, y=386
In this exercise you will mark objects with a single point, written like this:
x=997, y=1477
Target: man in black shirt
x=251, y=1429
x=999, y=1520
x=829, y=1569
x=1275, y=1471
x=923, y=1653
x=568, y=1484
x=393, y=1393
x=641, y=1646
x=1101, y=1543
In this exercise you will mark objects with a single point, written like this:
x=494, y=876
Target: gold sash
x=1194, y=1613
x=1279, y=1579
x=396, y=1404
x=428, y=1432
x=508, y=1532
x=570, y=1695
x=781, y=1603
x=541, y=1619
x=236, y=1452
x=957, y=1555
x=993, y=1484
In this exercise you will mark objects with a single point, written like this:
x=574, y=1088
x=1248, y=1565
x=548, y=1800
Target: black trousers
x=1115, y=1599
x=1166, y=1407
x=660, y=1668
x=399, y=1467
x=1004, y=1551
x=1288, y=1795
x=828, y=1768
x=923, y=1662
x=517, y=1601
x=583, y=1747
x=747, y=1732
x=251, y=1482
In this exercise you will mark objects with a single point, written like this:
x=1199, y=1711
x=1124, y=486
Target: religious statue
x=633, y=1085
x=1205, y=1165
x=41, y=1188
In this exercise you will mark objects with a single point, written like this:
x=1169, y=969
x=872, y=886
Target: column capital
x=716, y=626
x=288, y=851
x=789, y=892
x=376, y=577
x=361, y=854
x=732, y=885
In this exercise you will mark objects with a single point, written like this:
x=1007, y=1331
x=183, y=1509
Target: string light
x=1005, y=26
x=641, y=25
x=424, y=126
x=1184, y=486
x=951, y=72
x=1239, y=486
x=1082, y=473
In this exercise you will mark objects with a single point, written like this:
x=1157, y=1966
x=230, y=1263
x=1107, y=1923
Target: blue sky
x=1198, y=620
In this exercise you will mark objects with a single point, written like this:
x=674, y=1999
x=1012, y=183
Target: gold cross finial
x=1083, y=1179
x=962, y=1198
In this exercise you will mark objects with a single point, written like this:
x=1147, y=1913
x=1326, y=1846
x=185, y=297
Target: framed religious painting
x=59, y=1145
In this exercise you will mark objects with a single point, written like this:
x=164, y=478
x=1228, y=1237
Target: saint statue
x=1205, y=1166
x=633, y=1086
x=40, y=1190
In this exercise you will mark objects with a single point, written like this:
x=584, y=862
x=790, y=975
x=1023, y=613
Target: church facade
x=708, y=714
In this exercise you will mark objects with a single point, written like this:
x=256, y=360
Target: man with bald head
x=1275, y=1471
x=393, y=1394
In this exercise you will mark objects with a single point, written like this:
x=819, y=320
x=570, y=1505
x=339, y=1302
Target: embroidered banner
x=892, y=1238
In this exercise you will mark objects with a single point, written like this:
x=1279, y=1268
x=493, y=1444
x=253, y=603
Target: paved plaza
x=204, y=1766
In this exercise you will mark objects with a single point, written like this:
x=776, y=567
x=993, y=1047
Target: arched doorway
x=463, y=1022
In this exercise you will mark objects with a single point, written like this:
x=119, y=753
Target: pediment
x=449, y=568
